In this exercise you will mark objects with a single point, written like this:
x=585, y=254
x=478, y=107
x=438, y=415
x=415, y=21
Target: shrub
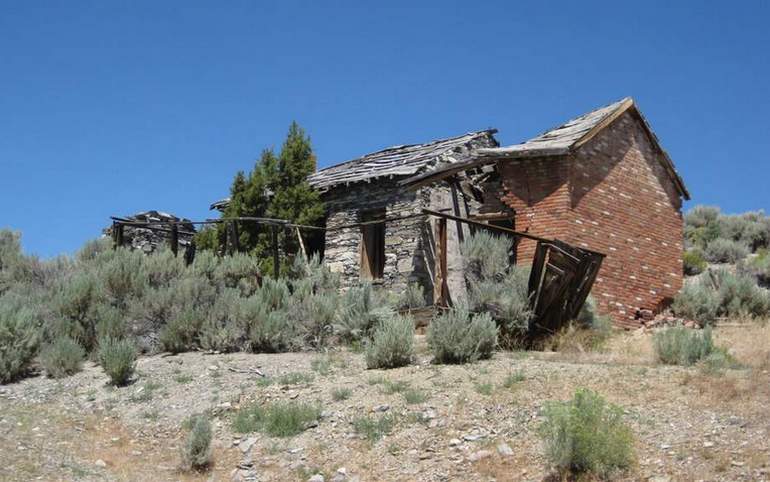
x=268, y=331
x=339, y=394
x=359, y=313
x=120, y=276
x=412, y=297
x=280, y=419
x=586, y=435
x=196, y=453
x=701, y=226
x=723, y=250
x=110, y=322
x=238, y=271
x=181, y=332
x=221, y=330
x=373, y=429
x=92, y=249
x=161, y=268
x=697, y=301
x=314, y=316
x=455, y=337
x=392, y=343
x=693, y=262
x=682, y=346
x=118, y=359
x=62, y=358
x=496, y=287
x=758, y=267
x=19, y=339
x=740, y=296
x=413, y=396
x=76, y=300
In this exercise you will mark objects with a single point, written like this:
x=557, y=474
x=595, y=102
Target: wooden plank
x=174, y=239
x=301, y=243
x=276, y=258
x=440, y=289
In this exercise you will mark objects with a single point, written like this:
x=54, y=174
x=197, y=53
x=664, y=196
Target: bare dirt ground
x=689, y=424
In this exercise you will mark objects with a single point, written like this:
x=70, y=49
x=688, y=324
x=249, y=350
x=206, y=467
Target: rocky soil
x=476, y=422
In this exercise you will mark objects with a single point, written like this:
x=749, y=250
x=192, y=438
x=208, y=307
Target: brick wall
x=613, y=196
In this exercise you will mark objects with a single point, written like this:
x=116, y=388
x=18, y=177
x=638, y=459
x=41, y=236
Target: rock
x=481, y=454
x=504, y=449
x=100, y=463
x=454, y=442
x=311, y=424
x=708, y=444
x=247, y=444
x=473, y=437
x=381, y=408
x=316, y=478
x=429, y=414
x=341, y=475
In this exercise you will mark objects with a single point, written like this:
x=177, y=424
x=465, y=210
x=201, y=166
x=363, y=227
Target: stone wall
x=405, y=257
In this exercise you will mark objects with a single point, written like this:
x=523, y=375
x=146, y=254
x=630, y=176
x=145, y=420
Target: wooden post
x=174, y=239
x=117, y=233
x=440, y=289
x=276, y=260
x=236, y=237
x=301, y=243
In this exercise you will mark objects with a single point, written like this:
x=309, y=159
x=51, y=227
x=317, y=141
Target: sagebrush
x=586, y=435
x=458, y=336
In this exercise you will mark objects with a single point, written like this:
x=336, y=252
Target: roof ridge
x=470, y=135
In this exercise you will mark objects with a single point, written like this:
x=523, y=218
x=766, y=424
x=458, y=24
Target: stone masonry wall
x=612, y=196
x=405, y=259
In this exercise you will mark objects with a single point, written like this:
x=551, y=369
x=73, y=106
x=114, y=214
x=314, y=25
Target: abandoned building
x=150, y=230
x=601, y=182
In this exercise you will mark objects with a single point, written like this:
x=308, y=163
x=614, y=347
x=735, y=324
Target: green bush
x=682, y=346
x=76, y=301
x=314, y=315
x=62, y=358
x=280, y=419
x=161, y=268
x=196, y=452
x=693, y=262
x=238, y=271
x=268, y=331
x=740, y=296
x=180, y=334
x=412, y=297
x=496, y=287
x=392, y=343
x=221, y=331
x=120, y=275
x=373, y=429
x=19, y=338
x=359, y=312
x=723, y=250
x=697, y=301
x=586, y=435
x=758, y=267
x=456, y=337
x=118, y=359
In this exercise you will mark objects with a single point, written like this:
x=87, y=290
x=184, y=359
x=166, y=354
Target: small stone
x=665, y=447
x=247, y=444
x=316, y=478
x=504, y=449
x=311, y=424
x=100, y=463
x=708, y=444
x=213, y=367
x=454, y=442
x=295, y=450
x=429, y=414
x=382, y=408
x=473, y=437
x=481, y=454
x=736, y=463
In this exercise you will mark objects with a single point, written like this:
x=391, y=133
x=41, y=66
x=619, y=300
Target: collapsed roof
x=400, y=161
x=559, y=141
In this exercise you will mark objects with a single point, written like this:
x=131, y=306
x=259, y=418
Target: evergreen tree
x=277, y=187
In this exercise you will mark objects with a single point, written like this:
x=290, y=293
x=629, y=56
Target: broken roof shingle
x=561, y=139
x=396, y=161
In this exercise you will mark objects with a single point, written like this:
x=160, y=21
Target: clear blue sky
x=116, y=107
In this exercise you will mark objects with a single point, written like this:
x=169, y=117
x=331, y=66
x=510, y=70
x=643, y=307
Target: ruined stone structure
x=366, y=189
x=156, y=234
x=600, y=182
